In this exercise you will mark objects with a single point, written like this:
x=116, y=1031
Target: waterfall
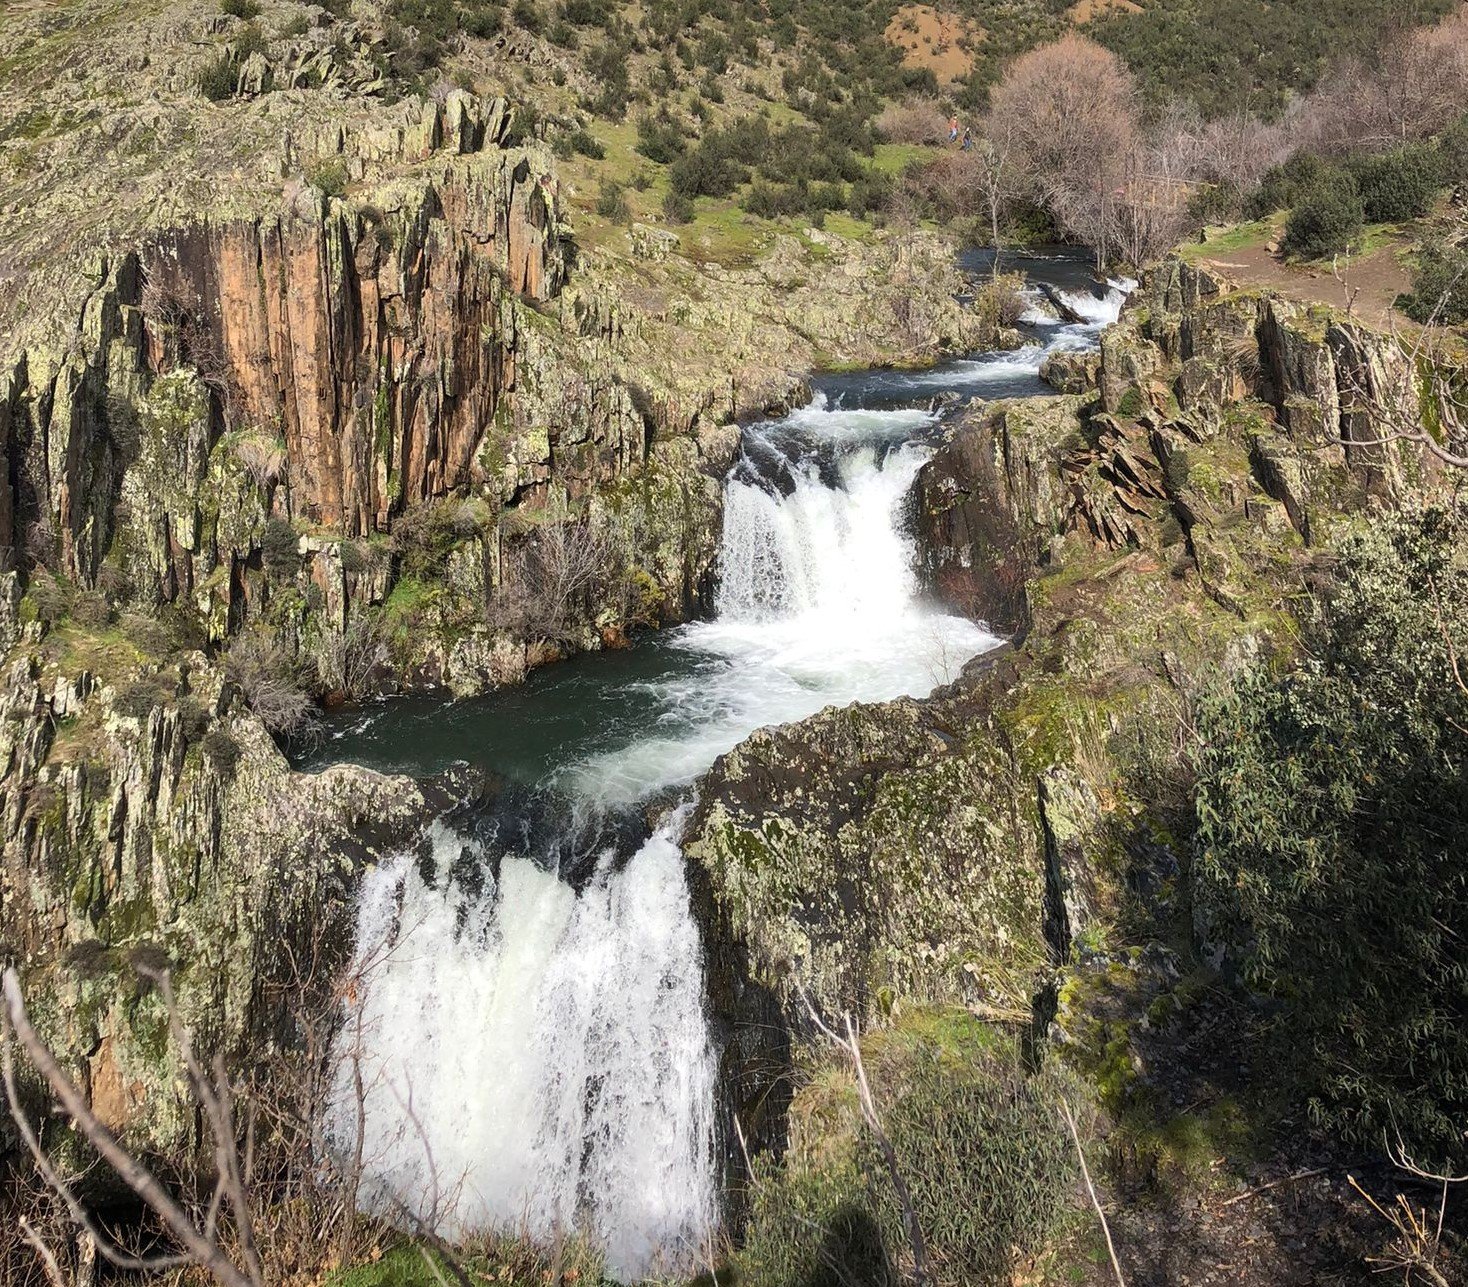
x=535, y=1058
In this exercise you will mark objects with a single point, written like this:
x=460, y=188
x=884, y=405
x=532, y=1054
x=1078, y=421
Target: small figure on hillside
x=953, y=129
x=968, y=141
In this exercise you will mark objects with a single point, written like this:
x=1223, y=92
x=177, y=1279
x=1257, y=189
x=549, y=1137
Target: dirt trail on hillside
x=1375, y=280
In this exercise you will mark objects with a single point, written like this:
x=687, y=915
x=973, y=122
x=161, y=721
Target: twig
x=1075, y=1136
x=1273, y=1184
x=52, y=1270
x=200, y=1250
x=852, y=1049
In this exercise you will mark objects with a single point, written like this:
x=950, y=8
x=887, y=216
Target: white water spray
x=536, y=1059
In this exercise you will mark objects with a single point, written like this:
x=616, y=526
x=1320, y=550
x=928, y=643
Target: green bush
x=1331, y=809
x=1452, y=154
x=660, y=139
x=1398, y=185
x=1284, y=185
x=280, y=548
x=1327, y=217
x=979, y=1143
x=981, y=1146
x=611, y=202
x=246, y=9
x=217, y=79
x=678, y=208
x=1439, y=287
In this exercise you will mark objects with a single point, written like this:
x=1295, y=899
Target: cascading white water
x=537, y=1058
x=534, y=1058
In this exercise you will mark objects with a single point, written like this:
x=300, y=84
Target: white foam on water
x=536, y=1059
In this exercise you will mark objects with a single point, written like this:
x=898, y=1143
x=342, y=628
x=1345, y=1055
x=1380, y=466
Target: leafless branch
x=198, y=1249
x=47, y=1257
x=851, y=1048
x=1075, y=1136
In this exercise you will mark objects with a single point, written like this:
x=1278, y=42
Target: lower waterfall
x=534, y=1058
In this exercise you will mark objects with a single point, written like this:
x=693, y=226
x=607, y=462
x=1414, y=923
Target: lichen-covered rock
x=150, y=821
x=871, y=854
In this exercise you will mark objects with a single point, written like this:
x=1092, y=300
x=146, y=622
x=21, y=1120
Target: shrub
x=217, y=79
x=246, y=9
x=1283, y=186
x=678, y=208
x=660, y=139
x=706, y=171
x=978, y=1141
x=1439, y=287
x=328, y=175
x=1452, y=154
x=916, y=121
x=983, y=1151
x=586, y=144
x=526, y=16
x=280, y=548
x=221, y=749
x=611, y=202
x=1327, y=217
x=267, y=677
x=524, y=124
x=1398, y=185
x=138, y=699
x=484, y=20
x=1331, y=806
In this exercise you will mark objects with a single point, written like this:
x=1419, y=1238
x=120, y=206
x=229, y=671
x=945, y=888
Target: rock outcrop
x=153, y=822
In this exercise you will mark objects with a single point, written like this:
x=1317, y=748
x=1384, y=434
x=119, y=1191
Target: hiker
x=968, y=141
x=953, y=129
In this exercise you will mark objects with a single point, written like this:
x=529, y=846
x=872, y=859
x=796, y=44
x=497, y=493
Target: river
x=529, y=1022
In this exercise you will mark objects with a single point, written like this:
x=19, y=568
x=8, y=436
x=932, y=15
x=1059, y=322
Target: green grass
x=894, y=158
x=1244, y=236
x=401, y=1267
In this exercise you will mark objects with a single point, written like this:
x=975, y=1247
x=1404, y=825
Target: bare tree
x=1072, y=109
x=268, y=678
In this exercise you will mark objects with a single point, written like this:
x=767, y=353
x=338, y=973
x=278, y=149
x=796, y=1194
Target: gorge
x=529, y=1017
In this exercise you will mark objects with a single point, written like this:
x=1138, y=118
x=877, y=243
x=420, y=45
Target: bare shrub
x=263, y=460
x=180, y=311
x=1072, y=109
x=563, y=573
x=260, y=668
x=200, y=1242
x=350, y=661
x=916, y=120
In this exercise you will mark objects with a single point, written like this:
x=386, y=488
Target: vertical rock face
x=156, y=824
x=377, y=344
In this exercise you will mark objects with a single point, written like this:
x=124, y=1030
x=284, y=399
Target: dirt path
x=1375, y=280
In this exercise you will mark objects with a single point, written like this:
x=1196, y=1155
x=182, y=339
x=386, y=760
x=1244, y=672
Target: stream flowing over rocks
x=530, y=1019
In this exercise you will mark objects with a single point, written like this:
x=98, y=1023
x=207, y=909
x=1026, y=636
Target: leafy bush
x=979, y=1143
x=611, y=202
x=246, y=9
x=981, y=1146
x=1439, y=287
x=706, y=171
x=217, y=79
x=1398, y=185
x=280, y=548
x=660, y=139
x=1284, y=185
x=678, y=208
x=328, y=176
x=1327, y=217
x=1331, y=807
x=1452, y=154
